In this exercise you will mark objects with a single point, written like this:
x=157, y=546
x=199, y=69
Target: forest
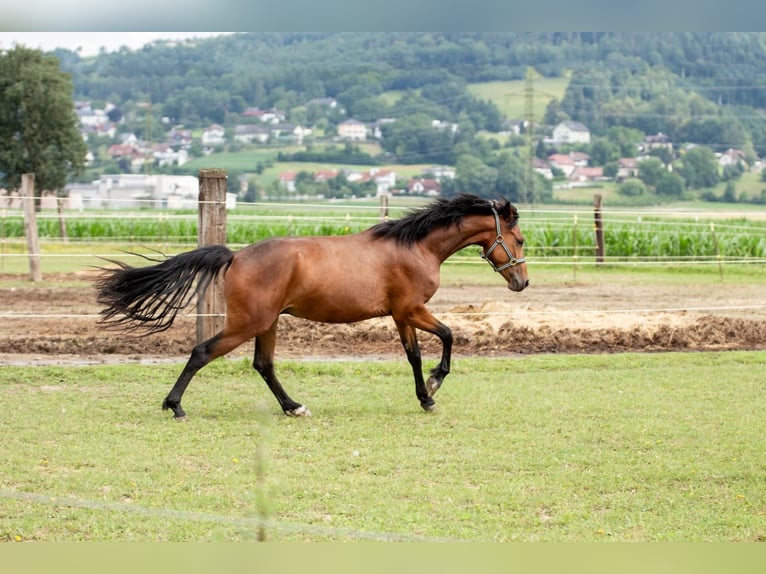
x=644, y=74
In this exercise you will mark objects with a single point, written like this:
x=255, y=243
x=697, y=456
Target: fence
x=557, y=238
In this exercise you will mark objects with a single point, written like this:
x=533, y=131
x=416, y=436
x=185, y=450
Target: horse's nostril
x=526, y=283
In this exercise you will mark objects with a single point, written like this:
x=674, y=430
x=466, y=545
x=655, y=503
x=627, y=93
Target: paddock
x=626, y=405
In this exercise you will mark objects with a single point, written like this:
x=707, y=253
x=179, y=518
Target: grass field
x=653, y=447
x=510, y=97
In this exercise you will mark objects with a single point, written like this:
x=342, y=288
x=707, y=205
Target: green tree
x=603, y=151
x=38, y=126
x=670, y=185
x=632, y=188
x=625, y=139
x=473, y=176
x=650, y=170
x=700, y=168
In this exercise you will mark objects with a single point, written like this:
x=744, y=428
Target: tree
x=670, y=185
x=603, y=151
x=700, y=168
x=38, y=126
x=650, y=171
x=632, y=188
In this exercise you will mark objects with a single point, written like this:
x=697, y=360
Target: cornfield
x=545, y=238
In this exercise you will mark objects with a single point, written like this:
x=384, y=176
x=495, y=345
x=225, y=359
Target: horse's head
x=509, y=260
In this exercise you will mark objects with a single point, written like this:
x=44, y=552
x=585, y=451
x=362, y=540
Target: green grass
x=655, y=447
x=510, y=96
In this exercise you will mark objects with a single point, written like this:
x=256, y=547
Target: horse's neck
x=449, y=240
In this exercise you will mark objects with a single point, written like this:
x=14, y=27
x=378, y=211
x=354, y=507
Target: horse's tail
x=147, y=299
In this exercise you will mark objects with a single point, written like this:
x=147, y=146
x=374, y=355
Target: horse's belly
x=338, y=311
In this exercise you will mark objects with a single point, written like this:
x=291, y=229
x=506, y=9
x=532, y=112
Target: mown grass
x=552, y=448
x=510, y=96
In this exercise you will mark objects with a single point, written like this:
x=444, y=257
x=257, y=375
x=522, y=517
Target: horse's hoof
x=301, y=411
x=181, y=419
x=432, y=385
x=429, y=408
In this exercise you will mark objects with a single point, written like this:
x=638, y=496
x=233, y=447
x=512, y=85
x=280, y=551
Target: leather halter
x=500, y=241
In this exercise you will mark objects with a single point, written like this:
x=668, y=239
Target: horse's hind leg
x=263, y=362
x=201, y=355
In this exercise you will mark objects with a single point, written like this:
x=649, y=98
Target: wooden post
x=717, y=250
x=30, y=225
x=574, y=249
x=599, y=227
x=384, y=207
x=212, y=230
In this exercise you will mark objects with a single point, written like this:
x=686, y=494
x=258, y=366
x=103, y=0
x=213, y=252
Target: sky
x=90, y=43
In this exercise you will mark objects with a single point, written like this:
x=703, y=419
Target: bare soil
x=58, y=322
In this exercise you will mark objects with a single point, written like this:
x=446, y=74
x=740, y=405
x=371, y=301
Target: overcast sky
x=91, y=42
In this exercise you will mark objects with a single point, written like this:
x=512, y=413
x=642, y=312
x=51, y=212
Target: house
x=270, y=116
x=563, y=163
x=287, y=180
x=571, y=133
x=353, y=130
x=627, y=167
x=732, y=157
x=249, y=133
x=325, y=174
x=214, y=135
x=540, y=166
x=179, y=137
x=583, y=174
x=385, y=180
x=658, y=140
x=440, y=172
x=579, y=158
x=164, y=155
x=427, y=187
x=291, y=132
x=514, y=127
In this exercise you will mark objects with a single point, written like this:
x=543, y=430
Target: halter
x=500, y=241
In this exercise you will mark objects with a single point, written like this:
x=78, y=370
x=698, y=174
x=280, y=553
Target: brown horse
x=391, y=269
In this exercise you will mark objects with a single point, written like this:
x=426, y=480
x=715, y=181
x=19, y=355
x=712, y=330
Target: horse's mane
x=440, y=213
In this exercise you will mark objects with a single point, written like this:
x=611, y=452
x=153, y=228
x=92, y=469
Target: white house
x=562, y=162
x=571, y=133
x=352, y=130
x=732, y=157
x=249, y=133
x=214, y=135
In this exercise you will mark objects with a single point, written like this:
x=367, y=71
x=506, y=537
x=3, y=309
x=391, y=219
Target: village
x=146, y=180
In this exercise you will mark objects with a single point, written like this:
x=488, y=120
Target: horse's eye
x=520, y=242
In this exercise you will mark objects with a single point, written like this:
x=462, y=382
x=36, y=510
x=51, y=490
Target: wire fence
x=651, y=238
x=553, y=236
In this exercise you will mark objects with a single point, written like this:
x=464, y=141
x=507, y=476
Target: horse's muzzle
x=518, y=284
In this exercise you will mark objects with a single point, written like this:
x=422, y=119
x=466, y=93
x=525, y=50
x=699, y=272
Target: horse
x=390, y=269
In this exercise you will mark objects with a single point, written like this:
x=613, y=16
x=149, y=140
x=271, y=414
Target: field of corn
x=550, y=235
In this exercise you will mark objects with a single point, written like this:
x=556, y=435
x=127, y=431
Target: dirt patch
x=60, y=321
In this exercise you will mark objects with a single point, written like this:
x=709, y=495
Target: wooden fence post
x=384, y=207
x=211, y=230
x=599, y=226
x=30, y=225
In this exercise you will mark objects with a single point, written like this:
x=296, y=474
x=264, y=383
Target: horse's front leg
x=410, y=342
x=421, y=318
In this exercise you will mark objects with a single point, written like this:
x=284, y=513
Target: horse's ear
x=504, y=209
